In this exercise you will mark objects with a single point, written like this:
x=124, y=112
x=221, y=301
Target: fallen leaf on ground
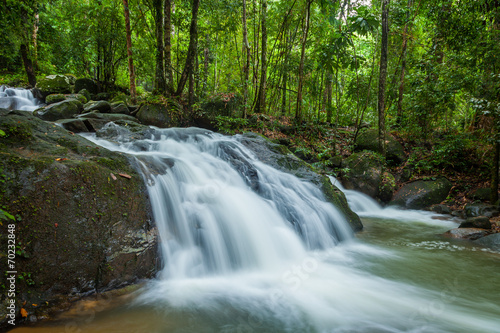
x=24, y=313
x=113, y=176
x=124, y=175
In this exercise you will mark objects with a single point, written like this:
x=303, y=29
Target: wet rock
x=466, y=233
x=99, y=106
x=422, y=193
x=62, y=110
x=481, y=222
x=368, y=140
x=73, y=125
x=81, y=231
x=279, y=157
x=440, y=209
x=490, y=241
x=473, y=210
x=364, y=173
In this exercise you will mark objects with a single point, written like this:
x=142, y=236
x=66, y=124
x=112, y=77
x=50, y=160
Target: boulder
x=79, y=97
x=120, y=108
x=363, y=172
x=73, y=125
x=158, y=115
x=88, y=84
x=85, y=93
x=490, y=241
x=100, y=106
x=54, y=84
x=422, y=193
x=481, y=209
x=387, y=187
x=279, y=157
x=466, y=233
x=55, y=98
x=440, y=209
x=368, y=140
x=62, y=110
x=79, y=230
x=481, y=194
x=481, y=222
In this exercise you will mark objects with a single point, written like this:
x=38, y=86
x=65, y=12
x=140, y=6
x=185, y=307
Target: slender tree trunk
x=159, y=71
x=246, y=66
x=193, y=45
x=494, y=176
x=263, y=70
x=131, y=70
x=329, y=79
x=36, y=23
x=28, y=65
x=383, y=76
x=169, y=77
x=205, y=64
x=399, y=116
x=298, y=110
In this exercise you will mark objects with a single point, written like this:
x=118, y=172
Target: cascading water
x=247, y=248
x=18, y=99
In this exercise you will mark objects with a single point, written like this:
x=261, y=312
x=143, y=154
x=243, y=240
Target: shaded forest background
x=428, y=71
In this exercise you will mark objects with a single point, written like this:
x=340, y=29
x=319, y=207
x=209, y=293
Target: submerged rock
x=79, y=230
x=466, y=233
x=490, y=241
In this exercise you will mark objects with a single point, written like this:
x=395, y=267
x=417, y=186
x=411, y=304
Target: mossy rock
x=368, y=140
x=55, y=98
x=120, y=107
x=62, y=110
x=363, y=172
x=88, y=84
x=422, y=193
x=80, y=97
x=100, y=106
x=159, y=115
x=54, y=84
x=85, y=93
x=80, y=230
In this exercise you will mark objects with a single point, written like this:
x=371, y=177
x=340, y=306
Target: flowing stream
x=18, y=99
x=247, y=248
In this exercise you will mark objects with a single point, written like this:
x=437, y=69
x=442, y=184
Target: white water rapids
x=247, y=248
x=17, y=99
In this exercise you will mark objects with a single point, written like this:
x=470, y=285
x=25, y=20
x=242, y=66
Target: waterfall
x=17, y=99
x=247, y=248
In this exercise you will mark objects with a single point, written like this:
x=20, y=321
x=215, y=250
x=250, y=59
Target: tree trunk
x=329, y=79
x=494, y=176
x=383, y=77
x=131, y=70
x=261, y=103
x=28, y=65
x=205, y=64
x=246, y=66
x=399, y=116
x=36, y=24
x=298, y=111
x=169, y=77
x=193, y=45
x=159, y=87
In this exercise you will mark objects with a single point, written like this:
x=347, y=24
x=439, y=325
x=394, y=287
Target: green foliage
x=229, y=125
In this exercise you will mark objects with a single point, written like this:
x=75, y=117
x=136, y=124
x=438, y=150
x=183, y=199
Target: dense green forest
x=426, y=71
